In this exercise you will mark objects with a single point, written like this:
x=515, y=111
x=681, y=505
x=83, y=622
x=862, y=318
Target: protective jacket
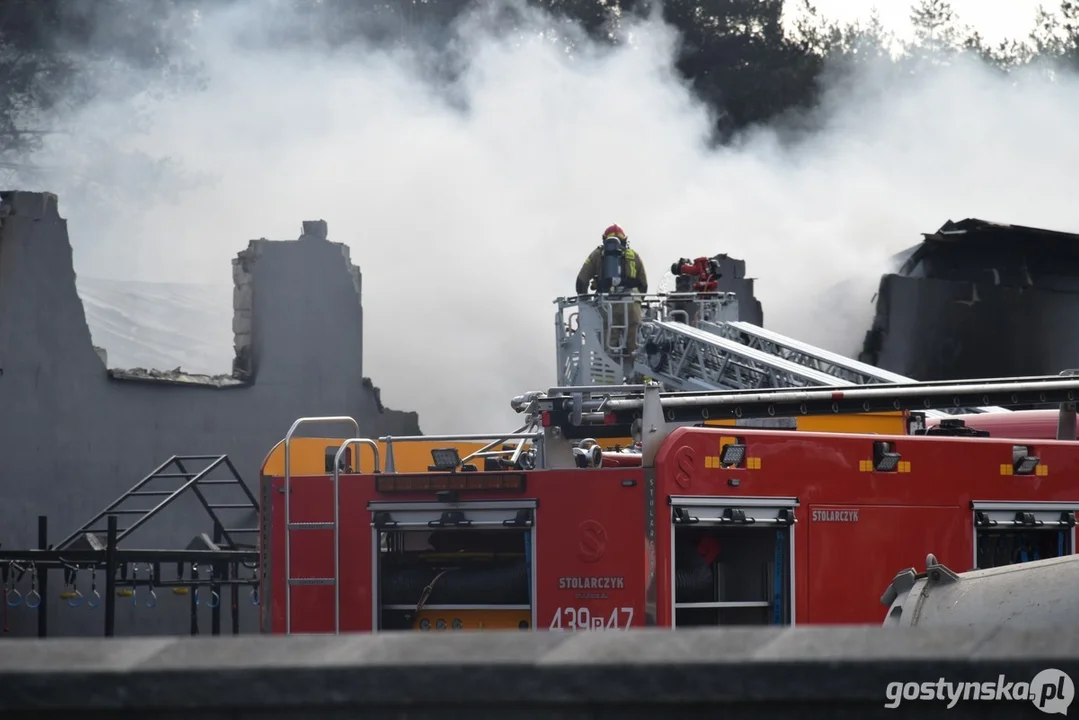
x=627, y=274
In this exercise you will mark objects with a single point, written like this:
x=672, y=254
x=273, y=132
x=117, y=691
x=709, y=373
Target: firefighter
x=615, y=269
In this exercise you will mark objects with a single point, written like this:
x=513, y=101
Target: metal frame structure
x=691, y=356
x=590, y=341
x=224, y=565
x=773, y=343
x=197, y=482
x=695, y=342
x=92, y=548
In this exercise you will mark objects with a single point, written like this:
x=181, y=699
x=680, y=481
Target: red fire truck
x=701, y=526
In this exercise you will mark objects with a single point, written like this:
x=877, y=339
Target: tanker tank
x=1040, y=594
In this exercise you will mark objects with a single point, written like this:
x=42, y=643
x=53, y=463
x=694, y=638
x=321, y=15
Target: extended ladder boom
x=686, y=351
x=791, y=350
x=738, y=355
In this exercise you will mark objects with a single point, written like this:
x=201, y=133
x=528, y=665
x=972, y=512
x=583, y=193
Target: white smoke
x=467, y=217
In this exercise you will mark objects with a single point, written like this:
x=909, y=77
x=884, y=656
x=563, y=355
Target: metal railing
x=289, y=580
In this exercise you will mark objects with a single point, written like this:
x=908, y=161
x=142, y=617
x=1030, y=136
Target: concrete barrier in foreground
x=734, y=673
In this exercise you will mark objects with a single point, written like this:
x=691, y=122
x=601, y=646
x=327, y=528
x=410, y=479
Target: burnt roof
x=973, y=229
x=959, y=248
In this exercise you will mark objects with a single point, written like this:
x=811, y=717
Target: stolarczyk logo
x=1051, y=691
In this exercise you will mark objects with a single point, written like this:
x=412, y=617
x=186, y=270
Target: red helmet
x=614, y=231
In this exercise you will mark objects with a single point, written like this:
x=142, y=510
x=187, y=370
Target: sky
x=501, y=191
x=996, y=20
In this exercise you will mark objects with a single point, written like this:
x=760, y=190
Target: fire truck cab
x=709, y=526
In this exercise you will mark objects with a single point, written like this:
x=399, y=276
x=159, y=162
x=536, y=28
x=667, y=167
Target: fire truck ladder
x=833, y=364
x=178, y=470
x=690, y=358
x=606, y=412
x=291, y=527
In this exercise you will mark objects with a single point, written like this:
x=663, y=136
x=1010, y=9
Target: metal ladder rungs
x=174, y=479
x=311, y=581
x=233, y=506
x=335, y=526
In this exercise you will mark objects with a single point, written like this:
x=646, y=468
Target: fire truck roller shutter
x=732, y=560
x=1006, y=533
x=469, y=560
x=502, y=579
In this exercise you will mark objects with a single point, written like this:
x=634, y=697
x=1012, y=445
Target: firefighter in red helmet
x=615, y=269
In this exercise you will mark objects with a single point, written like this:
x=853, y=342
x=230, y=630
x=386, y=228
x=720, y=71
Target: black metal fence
x=234, y=571
x=95, y=570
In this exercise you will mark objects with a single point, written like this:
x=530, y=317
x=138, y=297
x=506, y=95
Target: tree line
x=744, y=58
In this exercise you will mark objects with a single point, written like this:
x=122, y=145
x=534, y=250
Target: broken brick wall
x=73, y=438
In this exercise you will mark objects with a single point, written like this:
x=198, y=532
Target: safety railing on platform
x=592, y=331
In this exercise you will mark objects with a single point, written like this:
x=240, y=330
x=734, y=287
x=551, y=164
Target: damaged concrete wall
x=73, y=436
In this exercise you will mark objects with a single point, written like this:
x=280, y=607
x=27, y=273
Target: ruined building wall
x=74, y=436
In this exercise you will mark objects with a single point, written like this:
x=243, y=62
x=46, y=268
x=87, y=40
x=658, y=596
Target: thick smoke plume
x=470, y=208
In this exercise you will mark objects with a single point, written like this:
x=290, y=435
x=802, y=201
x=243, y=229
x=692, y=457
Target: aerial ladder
x=693, y=340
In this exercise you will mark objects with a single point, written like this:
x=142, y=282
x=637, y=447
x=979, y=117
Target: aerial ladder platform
x=695, y=342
